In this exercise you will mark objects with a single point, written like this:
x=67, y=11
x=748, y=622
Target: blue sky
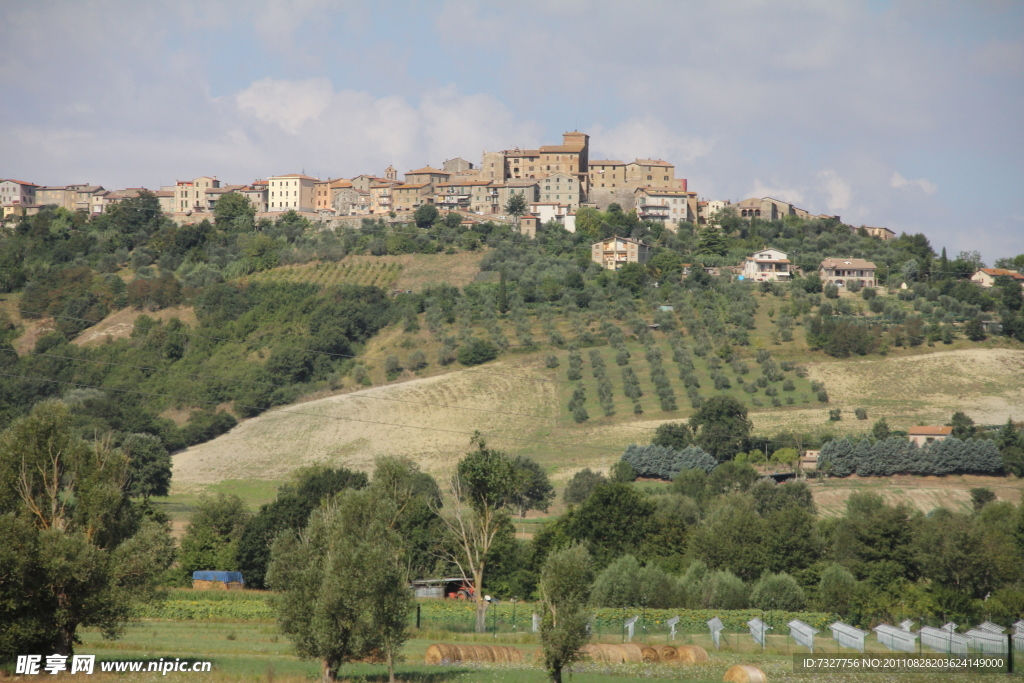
x=901, y=114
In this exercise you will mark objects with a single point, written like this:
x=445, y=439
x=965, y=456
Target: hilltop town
x=555, y=181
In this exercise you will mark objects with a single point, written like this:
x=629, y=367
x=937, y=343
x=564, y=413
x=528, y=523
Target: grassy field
x=255, y=650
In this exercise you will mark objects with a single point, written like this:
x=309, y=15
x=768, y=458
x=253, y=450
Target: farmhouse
x=841, y=271
x=767, y=265
x=986, y=277
x=615, y=252
x=923, y=435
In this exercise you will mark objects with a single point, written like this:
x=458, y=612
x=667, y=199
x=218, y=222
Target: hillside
x=987, y=384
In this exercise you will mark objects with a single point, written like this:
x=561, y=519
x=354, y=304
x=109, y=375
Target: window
x=649, y=177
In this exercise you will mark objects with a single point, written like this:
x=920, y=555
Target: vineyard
x=352, y=271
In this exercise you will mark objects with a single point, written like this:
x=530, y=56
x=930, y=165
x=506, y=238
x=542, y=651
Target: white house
x=767, y=265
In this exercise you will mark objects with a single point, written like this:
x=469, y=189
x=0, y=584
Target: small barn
x=217, y=580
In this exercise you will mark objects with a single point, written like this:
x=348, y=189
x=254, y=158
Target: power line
x=296, y=412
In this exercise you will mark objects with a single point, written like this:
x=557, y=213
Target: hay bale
x=442, y=653
x=668, y=654
x=649, y=654
x=692, y=654
x=744, y=673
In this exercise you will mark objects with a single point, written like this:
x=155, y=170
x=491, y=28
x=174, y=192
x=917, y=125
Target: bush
x=835, y=415
x=551, y=361
x=836, y=589
x=822, y=396
x=665, y=463
x=417, y=360
x=788, y=385
x=831, y=291
x=861, y=413
x=778, y=592
x=868, y=293
x=392, y=367
x=477, y=351
x=623, y=472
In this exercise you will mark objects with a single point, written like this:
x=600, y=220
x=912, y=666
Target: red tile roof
x=925, y=430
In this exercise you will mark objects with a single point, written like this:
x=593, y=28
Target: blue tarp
x=224, y=577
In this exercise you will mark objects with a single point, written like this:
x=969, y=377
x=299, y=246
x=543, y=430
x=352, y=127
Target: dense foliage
x=661, y=462
x=890, y=456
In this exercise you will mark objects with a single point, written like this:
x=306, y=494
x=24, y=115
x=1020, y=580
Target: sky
x=908, y=115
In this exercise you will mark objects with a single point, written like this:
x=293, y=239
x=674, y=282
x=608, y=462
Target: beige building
x=457, y=195
x=840, y=272
x=427, y=174
x=257, y=194
x=166, y=199
x=767, y=265
x=17, y=192
x=615, y=252
x=457, y=166
x=190, y=195
x=561, y=188
x=348, y=201
x=493, y=197
x=410, y=196
x=570, y=157
x=664, y=204
x=381, y=193
x=707, y=211
x=884, y=234
x=924, y=435
x=986, y=277
x=292, y=192
x=528, y=225
x=612, y=181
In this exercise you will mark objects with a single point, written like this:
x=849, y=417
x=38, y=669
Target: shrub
x=835, y=415
x=788, y=385
x=778, y=592
x=861, y=413
x=477, y=351
x=623, y=473
x=822, y=396
x=664, y=463
x=551, y=361
x=831, y=291
x=417, y=360
x=868, y=293
x=392, y=367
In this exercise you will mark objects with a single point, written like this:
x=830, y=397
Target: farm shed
x=457, y=587
x=217, y=580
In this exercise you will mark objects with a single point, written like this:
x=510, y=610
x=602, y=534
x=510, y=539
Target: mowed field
x=520, y=406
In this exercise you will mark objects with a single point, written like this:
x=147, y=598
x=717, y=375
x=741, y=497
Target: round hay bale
x=668, y=654
x=744, y=673
x=649, y=654
x=692, y=654
x=631, y=652
x=442, y=652
x=504, y=654
x=476, y=653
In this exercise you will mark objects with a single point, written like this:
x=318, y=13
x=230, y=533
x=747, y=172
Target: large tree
x=149, y=466
x=76, y=551
x=342, y=591
x=481, y=491
x=565, y=589
x=721, y=427
x=213, y=533
x=533, y=488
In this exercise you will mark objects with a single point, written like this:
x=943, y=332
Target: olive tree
x=76, y=552
x=342, y=590
x=565, y=590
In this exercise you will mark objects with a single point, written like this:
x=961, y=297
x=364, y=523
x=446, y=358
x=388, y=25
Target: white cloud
x=289, y=104
x=647, y=137
x=837, y=191
x=790, y=194
x=923, y=184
